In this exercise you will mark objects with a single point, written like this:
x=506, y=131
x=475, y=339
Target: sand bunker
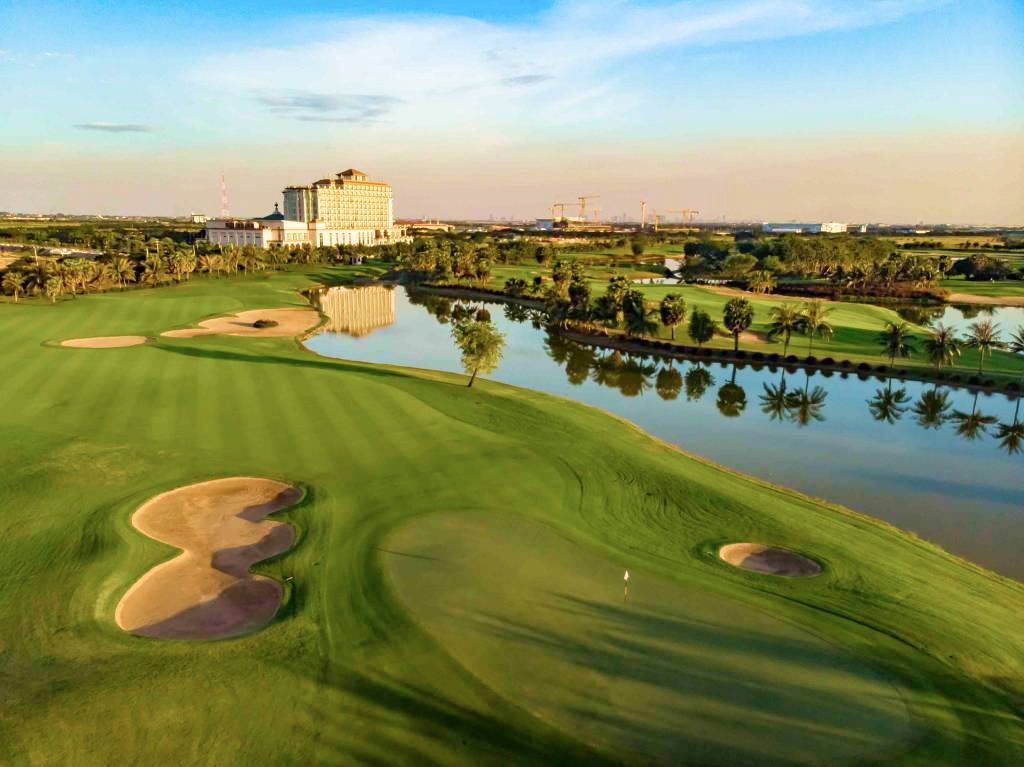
x=768, y=559
x=290, y=322
x=207, y=592
x=104, y=342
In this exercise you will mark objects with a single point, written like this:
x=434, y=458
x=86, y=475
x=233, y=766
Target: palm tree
x=984, y=336
x=888, y=405
x=1011, y=435
x=38, y=275
x=697, y=381
x=974, y=424
x=54, y=287
x=814, y=323
x=761, y=281
x=897, y=340
x=673, y=312
x=931, y=409
x=1016, y=346
x=773, y=401
x=13, y=283
x=123, y=270
x=942, y=347
x=805, y=405
x=785, y=320
x=732, y=398
x=639, y=319
x=737, y=316
x=669, y=382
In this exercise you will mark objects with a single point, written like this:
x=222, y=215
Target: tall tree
x=13, y=283
x=697, y=381
x=984, y=337
x=931, y=410
x=785, y=320
x=737, y=316
x=673, y=311
x=1016, y=346
x=669, y=382
x=639, y=319
x=702, y=327
x=897, y=340
x=481, y=345
x=815, y=322
x=761, y=281
x=942, y=347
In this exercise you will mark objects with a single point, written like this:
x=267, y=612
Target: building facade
x=346, y=210
x=827, y=227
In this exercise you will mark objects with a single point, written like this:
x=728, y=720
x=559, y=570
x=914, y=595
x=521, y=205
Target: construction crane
x=643, y=215
x=583, y=204
x=657, y=219
x=686, y=214
x=560, y=206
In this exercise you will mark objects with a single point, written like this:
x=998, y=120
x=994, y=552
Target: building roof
x=351, y=172
x=277, y=215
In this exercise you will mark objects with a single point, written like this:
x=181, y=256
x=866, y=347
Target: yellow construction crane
x=583, y=204
x=657, y=219
x=686, y=214
x=561, y=206
x=643, y=215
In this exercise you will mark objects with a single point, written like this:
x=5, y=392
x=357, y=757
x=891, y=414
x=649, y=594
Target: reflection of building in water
x=357, y=311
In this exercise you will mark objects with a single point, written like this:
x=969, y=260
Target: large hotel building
x=348, y=209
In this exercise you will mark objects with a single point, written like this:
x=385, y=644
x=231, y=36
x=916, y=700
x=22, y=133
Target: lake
x=944, y=463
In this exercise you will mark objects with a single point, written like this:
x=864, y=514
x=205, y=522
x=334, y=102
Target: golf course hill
x=438, y=570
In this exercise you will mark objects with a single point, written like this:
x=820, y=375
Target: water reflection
x=633, y=374
x=355, y=311
x=936, y=460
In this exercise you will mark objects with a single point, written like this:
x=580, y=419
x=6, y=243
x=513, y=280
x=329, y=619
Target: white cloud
x=444, y=71
x=106, y=127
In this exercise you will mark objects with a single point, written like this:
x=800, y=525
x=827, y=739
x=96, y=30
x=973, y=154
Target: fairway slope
x=665, y=674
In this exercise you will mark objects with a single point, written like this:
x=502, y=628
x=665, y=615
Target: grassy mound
x=345, y=674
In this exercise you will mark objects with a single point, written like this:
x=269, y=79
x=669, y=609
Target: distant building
x=198, y=218
x=434, y=226
x=828, y=227
x=346, y=210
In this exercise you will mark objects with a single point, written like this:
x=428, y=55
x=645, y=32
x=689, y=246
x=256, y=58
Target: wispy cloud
x=442, y=70
x=116, y=127
x=525, y=80
x=328, y=107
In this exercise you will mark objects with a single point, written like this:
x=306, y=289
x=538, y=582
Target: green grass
x=856, y=330
x=1000, y=289
x=348, y=673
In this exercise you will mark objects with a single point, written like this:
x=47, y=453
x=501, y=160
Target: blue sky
x=873, y=110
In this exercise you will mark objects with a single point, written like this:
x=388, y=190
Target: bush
x=792, y=358
x=812, y=360
x=845, y=364
x=882, y=369
x=758, y=356
x=828, y=361
x=265, y=324
x=864, y=366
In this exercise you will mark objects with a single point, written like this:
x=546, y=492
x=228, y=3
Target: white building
x=347, y=210
x=828, y=227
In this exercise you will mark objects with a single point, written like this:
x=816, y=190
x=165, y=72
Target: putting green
x=668, y=674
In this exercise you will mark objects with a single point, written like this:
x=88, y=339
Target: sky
x=898, y=111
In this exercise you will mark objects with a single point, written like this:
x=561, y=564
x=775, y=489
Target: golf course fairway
x=663, y=673
x=896, y=653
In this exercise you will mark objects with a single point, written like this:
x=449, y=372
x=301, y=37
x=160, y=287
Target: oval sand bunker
x=207, y=591
x=768, y=559
x=290, y=322
x=104, y=342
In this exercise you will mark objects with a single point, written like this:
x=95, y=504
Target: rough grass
x=345, y=674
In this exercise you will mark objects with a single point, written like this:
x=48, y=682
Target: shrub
x=812, y=360
x=863, y=366
x=792, y=358
x=828, y=361
x=758, y=356
x=845, y=364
